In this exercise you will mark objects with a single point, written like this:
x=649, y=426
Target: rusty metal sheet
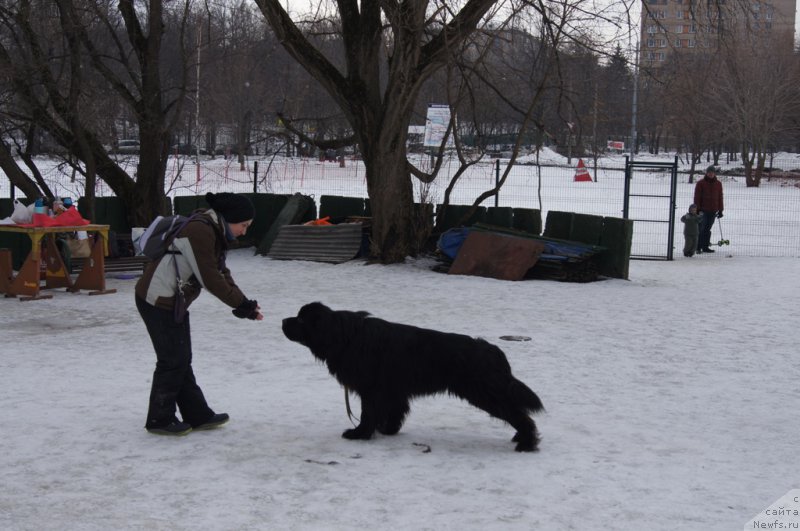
x=318, y=243
x=493, y=255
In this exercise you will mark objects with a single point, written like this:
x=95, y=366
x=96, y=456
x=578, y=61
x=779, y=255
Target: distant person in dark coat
x=691, y=230
x=708, y=198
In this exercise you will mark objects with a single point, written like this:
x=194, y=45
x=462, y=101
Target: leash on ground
x=347, y=406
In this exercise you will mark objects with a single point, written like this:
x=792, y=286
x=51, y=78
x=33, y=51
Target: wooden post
x=6, y=271
x=92, y=276
x=27, y=282
x=255, y=177
x=56, y=274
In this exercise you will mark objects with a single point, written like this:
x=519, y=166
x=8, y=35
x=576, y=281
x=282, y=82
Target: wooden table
x=27, y=283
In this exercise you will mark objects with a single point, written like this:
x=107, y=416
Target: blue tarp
x=554, y=251
x=450, y=241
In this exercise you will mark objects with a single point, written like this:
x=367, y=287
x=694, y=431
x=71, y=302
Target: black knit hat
x=235, y=208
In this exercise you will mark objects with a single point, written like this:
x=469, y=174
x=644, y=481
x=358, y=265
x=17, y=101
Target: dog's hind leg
x=524, y=400
x=527, y=437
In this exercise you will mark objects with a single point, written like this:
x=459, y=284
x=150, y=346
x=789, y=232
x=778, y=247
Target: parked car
x=126, y=147
x=186, y=149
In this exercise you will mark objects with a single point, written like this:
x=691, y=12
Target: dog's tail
x=523, y=395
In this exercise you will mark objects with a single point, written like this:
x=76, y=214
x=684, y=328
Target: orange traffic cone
x=581, y=173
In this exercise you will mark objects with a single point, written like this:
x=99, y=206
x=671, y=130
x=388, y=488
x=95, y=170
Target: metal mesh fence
x=758, y=221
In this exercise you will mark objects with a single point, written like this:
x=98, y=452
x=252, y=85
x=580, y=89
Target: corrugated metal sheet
x=327, y=243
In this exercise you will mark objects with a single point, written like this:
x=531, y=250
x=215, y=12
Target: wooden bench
x=115, y=265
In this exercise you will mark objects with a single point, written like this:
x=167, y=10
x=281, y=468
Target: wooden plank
x=115, y=265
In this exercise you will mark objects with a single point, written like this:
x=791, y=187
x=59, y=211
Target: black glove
x=246, y=310
x=719, y=214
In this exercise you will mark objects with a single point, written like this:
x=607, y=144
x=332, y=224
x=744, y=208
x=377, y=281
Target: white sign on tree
x=436, y=125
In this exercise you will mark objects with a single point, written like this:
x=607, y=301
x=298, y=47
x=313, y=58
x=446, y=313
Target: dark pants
x=690, y=244
x=173, y=380
x=705, y=229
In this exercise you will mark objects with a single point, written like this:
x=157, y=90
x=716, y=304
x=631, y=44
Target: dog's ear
x=312, y=312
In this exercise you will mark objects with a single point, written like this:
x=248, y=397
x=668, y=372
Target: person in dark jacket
x=199, y=251
x=708, y=198
x=691, y=230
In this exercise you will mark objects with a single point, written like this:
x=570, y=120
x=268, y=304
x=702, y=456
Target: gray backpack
x=157, y=238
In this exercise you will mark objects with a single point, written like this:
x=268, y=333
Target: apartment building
x=684, y=26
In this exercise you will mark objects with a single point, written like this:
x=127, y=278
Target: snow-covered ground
x=671, y=404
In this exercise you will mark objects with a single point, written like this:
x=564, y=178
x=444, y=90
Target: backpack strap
x=175, y=232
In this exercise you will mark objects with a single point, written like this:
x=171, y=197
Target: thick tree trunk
x=391, y=198
x=761, y=159
x=750, y=178
x=148, y=199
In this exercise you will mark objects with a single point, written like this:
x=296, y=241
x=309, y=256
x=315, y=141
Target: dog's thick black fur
x=388, y=364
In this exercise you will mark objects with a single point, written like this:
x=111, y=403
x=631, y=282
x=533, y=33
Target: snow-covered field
x=671, y=404
x=671, y=399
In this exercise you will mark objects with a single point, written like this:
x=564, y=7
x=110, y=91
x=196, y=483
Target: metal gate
x=650, y=189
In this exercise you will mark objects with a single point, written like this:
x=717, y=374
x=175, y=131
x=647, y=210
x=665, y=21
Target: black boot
x=708, y=250
x=217, y=420
x=173, y=428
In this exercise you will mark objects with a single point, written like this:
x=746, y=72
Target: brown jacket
x=201, y=247
x=708, y=195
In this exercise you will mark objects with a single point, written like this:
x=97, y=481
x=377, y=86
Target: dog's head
x=322, y=330
x=304, y=328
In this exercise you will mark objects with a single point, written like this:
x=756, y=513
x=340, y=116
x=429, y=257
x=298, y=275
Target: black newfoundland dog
x=388, y=364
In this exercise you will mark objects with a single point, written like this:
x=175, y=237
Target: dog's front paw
x=356, y=433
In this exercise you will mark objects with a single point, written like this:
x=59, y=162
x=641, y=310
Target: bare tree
x=119, y=50
x=502, y=87
x=757, y=90
x=237, y=73
x=688, y=92
x=384, y=68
